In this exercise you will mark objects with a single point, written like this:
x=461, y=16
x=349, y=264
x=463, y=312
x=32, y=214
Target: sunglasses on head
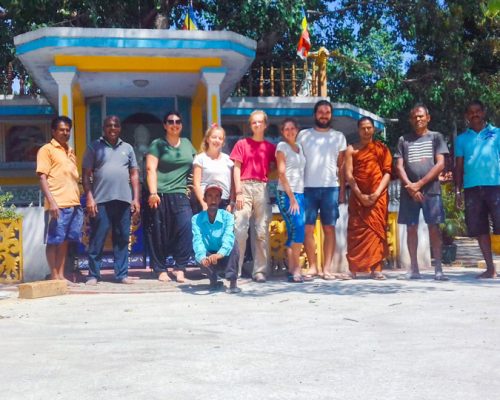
x=174, y=122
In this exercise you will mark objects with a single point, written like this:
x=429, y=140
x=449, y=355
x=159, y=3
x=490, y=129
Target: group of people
x=230, y=196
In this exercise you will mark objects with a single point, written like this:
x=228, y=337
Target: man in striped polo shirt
x=419, y=161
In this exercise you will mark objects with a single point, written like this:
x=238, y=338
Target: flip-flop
x=441, y=277
x=344, y=277
x=329, y=277
x=378, y=276
x=409, y=276
x=295, y=279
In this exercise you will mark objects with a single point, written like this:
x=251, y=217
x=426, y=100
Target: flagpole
x=189, y=14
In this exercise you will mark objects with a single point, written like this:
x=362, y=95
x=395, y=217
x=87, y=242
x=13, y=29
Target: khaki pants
x=256, y=204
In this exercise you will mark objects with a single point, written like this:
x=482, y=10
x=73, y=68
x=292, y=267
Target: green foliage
x=387, y=55
x=442, y=53
x=6, y=211
x=454, y=224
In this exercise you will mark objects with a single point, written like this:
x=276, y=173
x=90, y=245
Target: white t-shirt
x=215, y=172
x=321, y=150
x=295, y=164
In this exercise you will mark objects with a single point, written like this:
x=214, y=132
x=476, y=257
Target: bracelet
x=153, y=194
x=239, y=193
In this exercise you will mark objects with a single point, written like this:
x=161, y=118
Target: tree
x=452, y=55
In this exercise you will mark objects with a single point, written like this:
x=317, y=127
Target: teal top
x=481, y=153
x=216, y=237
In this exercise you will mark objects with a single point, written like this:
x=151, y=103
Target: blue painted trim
x=295, y=112
x=276, y=112
x=128, y=43
x=26, y=110
x=62, y=69
x=214, y=70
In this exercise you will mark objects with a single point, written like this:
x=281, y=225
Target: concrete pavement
x=321, y=340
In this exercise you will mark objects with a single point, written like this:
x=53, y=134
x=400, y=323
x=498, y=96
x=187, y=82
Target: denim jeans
x=171, y=233
x=115, y=215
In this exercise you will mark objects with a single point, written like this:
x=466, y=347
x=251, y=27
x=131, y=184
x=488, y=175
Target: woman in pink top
x=253, y=158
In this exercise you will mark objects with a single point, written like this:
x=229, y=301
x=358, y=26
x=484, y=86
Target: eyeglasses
x=174, y=122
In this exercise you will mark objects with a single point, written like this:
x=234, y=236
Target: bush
x=7, y=211
x=454, y=223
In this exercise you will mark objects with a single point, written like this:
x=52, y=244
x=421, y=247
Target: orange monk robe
x=366, y=229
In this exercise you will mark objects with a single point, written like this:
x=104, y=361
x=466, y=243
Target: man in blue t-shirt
x=214, y=243
x=477, y=154
x=109, y=164
x=419, y=161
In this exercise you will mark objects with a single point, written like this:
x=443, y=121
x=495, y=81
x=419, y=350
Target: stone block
x=34, y=290
x=482, y=264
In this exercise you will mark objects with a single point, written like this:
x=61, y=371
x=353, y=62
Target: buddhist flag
x=304, y=42
x=189, y=24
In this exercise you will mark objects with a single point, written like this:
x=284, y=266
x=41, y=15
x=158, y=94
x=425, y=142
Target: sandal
x=378, y=276
x=329, y=277
x=295, y=278
x=440, y=276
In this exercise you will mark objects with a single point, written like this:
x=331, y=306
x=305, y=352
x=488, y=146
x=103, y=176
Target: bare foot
x=179, y=276
x=163, y=277
x=127, y=281
x=487, y=275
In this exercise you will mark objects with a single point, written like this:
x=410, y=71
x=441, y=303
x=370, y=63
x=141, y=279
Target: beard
x=322, y=125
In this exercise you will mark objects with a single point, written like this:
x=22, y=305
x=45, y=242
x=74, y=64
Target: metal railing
x=17, y=82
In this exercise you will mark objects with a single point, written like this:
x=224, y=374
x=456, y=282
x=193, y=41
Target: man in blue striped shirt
x=214, y=244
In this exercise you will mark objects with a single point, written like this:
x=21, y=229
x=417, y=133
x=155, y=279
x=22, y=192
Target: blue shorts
x=409, y=209
x=294, y=222
x=326, y=201
x=68, y=227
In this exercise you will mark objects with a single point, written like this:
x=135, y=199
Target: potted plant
x=11, y=249
x=454, y=223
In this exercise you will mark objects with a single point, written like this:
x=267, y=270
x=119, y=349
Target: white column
x=64, y=77
x=212, y=78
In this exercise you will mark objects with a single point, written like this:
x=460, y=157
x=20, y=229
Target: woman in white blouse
x=290, y=195
x=213, y=167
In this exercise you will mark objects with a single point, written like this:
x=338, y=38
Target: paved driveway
x=321, y=340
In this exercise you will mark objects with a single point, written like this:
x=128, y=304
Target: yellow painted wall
x=79, y=124
x=24, y=180
x=137, y=64
x=199, y=100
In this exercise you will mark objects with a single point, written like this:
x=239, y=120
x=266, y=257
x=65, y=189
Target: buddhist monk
x=368, y=172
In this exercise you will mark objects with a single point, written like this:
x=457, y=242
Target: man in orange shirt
x=58, y=173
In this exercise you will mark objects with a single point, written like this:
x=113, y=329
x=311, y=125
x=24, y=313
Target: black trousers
x=228, y=264
x=168, y=232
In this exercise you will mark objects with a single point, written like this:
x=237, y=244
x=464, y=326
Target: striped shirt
x=419, y=156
